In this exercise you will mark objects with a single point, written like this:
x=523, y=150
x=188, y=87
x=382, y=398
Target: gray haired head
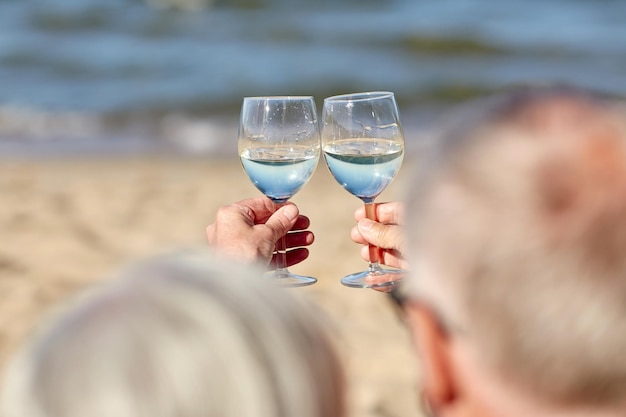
x=180, y=335
x=518, y=235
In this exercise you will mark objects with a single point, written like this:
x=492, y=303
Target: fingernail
x=290, y=211
x=365, y=225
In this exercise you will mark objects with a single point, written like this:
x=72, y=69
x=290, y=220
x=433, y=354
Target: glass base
x=374, y=278
x=285, y=278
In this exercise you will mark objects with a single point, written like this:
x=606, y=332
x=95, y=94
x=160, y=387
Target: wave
x=32, y=132
x=28, y=130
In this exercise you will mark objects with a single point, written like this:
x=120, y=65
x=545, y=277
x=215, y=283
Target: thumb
x=382, y=235
x=282, y=220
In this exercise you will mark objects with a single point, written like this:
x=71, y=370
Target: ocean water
x=137, y=75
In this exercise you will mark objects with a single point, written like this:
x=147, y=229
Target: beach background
x=118, y=128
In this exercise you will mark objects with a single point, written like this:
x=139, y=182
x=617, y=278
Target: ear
x=433, y=347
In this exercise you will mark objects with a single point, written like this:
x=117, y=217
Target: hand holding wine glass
x=247, y=230
x=388, y=233
x=363, y=145
x=279, y=147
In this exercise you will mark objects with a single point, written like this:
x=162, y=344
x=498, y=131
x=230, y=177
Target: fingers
x=302, y=223
x=282, y=220
x=299, y=239
x=249, y=229
x=261, y=209
x=356, y=236
x=230, y=221
x=294, y=256
x=389, y=257
x=385, y=236
x=296, y=253
x=385, y=233
x=389, y=212
x=258, y=209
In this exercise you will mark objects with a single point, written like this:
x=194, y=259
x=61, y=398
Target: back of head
x=180, y=336
x=519, y=237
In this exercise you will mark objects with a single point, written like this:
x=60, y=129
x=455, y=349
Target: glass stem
x=375, y=253
x=281, y=256
x=281, y=251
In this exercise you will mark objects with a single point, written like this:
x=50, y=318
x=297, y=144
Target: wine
x=364, y=167
x=279, y=173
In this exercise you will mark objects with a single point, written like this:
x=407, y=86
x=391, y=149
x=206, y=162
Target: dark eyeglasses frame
x=398, y=294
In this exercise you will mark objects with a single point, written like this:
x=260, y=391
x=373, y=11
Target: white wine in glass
x=363, y=145
x=279, y=147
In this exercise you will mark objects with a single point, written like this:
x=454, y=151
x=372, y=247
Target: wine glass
x=363, y=145
x=279, y=147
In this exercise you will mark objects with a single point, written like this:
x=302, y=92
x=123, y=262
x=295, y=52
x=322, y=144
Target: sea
x=135, y=76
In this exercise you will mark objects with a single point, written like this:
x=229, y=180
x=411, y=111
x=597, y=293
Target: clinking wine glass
x=363, y=145
x=279, y=147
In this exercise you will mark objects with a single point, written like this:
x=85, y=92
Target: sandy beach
x=67, y=223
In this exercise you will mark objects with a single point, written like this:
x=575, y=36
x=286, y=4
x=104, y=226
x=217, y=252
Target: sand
x=67, y=223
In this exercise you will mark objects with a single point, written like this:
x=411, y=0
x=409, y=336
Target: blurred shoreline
x=25, y=134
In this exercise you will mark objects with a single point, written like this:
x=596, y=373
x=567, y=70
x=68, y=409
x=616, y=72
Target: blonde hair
x=518, y=235
x=180, y=335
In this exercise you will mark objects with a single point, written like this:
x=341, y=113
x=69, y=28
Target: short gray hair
x=180, y=335
x=518, y=236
